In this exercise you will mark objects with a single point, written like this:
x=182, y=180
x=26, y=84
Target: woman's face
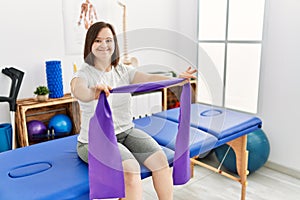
x=104, y=46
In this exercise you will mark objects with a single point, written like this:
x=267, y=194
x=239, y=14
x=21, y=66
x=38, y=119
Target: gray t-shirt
x=120, y=104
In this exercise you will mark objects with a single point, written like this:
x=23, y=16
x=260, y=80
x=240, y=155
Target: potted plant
x=42, y=93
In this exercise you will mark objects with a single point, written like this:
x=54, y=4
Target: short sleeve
x=82, y=73
x=131, y=72
x=126, y=71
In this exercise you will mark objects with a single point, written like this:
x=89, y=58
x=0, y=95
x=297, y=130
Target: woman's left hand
x=188, y=73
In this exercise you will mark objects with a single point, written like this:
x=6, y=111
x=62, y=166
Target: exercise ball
x=36, y=129
x=258, y=147
x=61, y=124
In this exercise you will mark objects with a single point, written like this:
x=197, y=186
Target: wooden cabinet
x=30, y=109
x=171, y=96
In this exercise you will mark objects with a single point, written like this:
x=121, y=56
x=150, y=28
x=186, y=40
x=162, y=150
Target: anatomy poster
x=78, y=15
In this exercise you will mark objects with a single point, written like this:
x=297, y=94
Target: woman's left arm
x=141, y=77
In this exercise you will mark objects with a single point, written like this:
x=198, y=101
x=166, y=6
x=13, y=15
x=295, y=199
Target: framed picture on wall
x=78, y=15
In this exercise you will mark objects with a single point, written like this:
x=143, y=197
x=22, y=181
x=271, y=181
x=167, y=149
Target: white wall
x=279, y=94
x=170, y=30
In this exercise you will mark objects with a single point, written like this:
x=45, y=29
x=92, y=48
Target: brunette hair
x=91, y=35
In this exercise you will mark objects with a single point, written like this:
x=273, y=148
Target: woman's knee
x=157, y=161
x=131, y=166
x=132, y=175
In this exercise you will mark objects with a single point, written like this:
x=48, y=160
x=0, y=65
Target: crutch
x=16, y=78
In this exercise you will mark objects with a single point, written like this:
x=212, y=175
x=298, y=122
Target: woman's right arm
x=82, y=92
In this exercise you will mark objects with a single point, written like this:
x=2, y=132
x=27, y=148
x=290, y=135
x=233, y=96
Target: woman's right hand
x=101, y=88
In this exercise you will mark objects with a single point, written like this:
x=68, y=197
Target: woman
x=100, y=73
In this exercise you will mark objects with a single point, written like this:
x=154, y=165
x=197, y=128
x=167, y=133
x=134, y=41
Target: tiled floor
x=264, y=184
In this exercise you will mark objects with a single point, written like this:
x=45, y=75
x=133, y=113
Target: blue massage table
x=52, y=170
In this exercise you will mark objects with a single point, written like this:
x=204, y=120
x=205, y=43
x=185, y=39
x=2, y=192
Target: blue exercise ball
x=36, y=129
x=61, y=124
x=258, y=147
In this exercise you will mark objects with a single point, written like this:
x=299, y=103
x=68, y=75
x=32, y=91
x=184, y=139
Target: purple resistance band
x=106, y=177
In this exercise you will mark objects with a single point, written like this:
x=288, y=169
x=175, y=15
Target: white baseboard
x=283, y=169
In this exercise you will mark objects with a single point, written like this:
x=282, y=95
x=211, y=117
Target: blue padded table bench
x=226, y=126
x=52, y=169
